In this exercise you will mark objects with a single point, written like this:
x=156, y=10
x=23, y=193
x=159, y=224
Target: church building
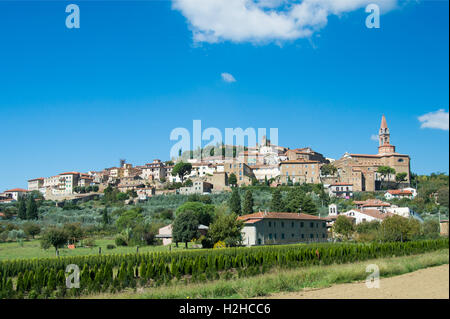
x=361, y=169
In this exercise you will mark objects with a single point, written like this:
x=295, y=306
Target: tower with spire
x=385, y=146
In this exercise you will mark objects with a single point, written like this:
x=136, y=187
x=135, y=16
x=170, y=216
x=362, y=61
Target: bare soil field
x=429, y=283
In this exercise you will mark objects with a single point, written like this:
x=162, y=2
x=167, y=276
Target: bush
x=110, y=246
x=16, y=234
x=89, y=242
x=121, y=241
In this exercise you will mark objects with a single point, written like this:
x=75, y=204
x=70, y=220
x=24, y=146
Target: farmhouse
x=398, y=193
x=264, y=228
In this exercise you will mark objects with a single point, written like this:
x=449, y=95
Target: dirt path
x=429, y=283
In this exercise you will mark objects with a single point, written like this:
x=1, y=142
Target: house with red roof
x=265, y=228
x=13, y=194
x=398, y=193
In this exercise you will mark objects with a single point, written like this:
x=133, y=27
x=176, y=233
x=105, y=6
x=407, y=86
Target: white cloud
x=438, y=120
x=265, y=20
x=374, y=137
x=227, y=77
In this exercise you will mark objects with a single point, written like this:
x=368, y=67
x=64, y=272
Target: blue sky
x=81, y=99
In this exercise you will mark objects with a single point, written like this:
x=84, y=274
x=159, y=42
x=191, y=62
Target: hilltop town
x=265, y=163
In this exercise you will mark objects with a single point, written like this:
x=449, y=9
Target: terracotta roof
x=399, y=192
x=70, y=173
x=375, y=213
x=16, y=190
x=342, y=184
x=36, y=179
x=383, y=122
x=252, y=218
x=372, y=203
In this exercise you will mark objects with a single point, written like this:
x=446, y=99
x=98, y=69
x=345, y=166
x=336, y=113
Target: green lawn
x=32, y=249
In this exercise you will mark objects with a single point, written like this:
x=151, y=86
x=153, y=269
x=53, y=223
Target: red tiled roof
x=70, y=173
x=399, y=192
x=375, y=213
x=16, y=190
x=36, y=179
x=372, y=203
x=252, y=218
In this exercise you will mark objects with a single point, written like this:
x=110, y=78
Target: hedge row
x=43, y=278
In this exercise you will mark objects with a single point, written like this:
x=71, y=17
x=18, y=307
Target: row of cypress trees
x=47, y=277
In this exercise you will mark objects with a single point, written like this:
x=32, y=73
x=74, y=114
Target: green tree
x=55, y=237
x=442, y=196
x=235, y=202
x=182, y=169
x=185, y=227
x=328, y=170
x=232, y=180
x=431, y=229
x=247, y=206
x=22, y=208
x=400, y=177
x=31, y=229
x=105, y=217
x=74, y=232
x=203, y=212
x=130, y=218
x=343, y=226
x=32, y=209
x=226, y=228
x=386, y=171
x=276, y=203
x=397, y=228
x=121, y=197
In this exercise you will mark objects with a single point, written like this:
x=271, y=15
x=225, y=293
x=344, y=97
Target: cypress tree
x=247, y=207
x=22, y=208
x=276, y=204
x=19, y=285
x=235, y=202
x=32, y=209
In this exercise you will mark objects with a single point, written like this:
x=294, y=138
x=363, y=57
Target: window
x=323, y=235
x=301, y=224
x=292, y=224
x=270, y=224
x=311, y=235
x=324, y=225
x=259, y=241
x=303, y=235
x=274, y=224
x=282, y=236
x=270, y=236
x=292, y=235
x=311, y=224
x=275, y=235
x=282, y=224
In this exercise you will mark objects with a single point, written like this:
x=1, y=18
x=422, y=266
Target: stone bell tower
x=384, y=139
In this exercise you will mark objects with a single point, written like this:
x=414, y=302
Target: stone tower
x=384, y=138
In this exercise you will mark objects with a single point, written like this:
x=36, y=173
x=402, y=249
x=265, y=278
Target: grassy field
x=280, y=280
x=32, y=249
